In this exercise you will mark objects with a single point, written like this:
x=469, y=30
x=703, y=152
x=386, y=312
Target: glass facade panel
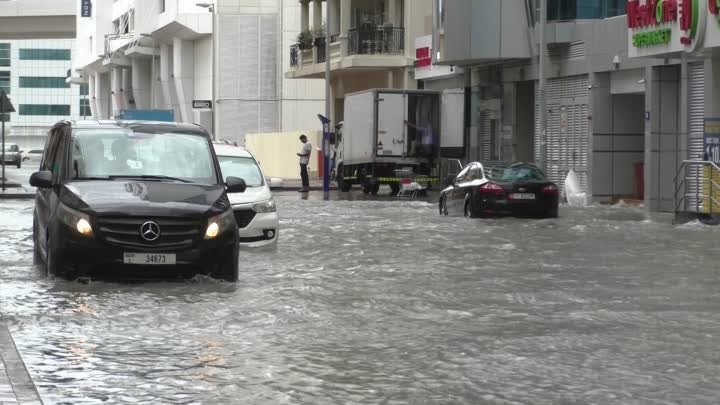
x=44, y=109
x=85, y=108
x=5, y=81
x=43, y=82
x=562, y=10
x=4, y=54
x=44, y=54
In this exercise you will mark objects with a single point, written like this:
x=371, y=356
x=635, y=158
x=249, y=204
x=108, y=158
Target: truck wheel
x=345, y=185
x=19, y=163
x=375, y=189
x=395, y=187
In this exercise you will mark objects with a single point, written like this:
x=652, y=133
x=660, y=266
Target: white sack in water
x=573, y=191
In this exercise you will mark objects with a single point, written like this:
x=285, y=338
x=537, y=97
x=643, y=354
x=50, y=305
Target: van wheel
x=551, y=213
x=228, y=271
x=19, y=164
x=37, y=257
x=345, y=185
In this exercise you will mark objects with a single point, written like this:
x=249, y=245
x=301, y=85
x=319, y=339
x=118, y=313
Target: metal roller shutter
x=568, y=137
x=696, y=125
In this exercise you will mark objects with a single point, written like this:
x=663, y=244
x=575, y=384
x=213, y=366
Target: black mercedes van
x=136, y=199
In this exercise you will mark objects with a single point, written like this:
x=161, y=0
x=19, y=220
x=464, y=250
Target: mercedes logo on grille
x=150, y=231
x=522, y=190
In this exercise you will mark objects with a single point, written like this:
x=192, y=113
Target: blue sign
x=711, y=140
x=85, y=8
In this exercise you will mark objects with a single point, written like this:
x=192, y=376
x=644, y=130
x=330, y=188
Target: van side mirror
x=42, y=179
x=235, y=185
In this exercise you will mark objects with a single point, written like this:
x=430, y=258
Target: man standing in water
x=304, y=155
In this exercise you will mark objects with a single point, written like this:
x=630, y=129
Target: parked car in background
x=33, y=156
x=13, y=154
x=255, y=209
x=133, y=199
x=500, y=188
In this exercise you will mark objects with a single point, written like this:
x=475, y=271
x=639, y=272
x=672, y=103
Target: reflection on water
x=383, y=301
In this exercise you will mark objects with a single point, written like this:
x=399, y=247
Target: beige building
x=372, y=44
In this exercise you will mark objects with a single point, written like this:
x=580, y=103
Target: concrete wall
x=618, y=139
x=485, y=30
x=277, y=152
x=664, y=134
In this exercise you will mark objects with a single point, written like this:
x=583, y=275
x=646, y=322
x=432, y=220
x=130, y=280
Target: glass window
x=242, y=167
x=12, y=148
x=5, y=117
x=123, y=153
x=560, y=10
x=43, y=82
x=4, y=54
x=44, y=109
x=84, y=89
x=513, y=173
x=5, y=81
x=44, y=54
x=85, y=108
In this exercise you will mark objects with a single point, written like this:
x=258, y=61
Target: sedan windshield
x=12, y=148
x=243, y=167
x=513, y=173
x=124, y=153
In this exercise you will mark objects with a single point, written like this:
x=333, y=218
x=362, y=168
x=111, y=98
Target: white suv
x=255, y=210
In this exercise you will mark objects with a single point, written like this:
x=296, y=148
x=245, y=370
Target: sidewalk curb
x=23, y=387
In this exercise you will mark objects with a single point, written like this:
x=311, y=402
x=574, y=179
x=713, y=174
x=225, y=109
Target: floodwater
x=385, y=302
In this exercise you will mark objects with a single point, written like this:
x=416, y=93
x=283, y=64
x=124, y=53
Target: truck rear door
x=391, y=129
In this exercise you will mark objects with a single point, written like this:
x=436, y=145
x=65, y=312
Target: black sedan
x=500, y=188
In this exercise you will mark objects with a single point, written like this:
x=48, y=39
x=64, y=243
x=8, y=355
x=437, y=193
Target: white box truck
x=389, y=134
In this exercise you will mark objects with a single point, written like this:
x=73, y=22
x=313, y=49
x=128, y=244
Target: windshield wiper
x=150, y=177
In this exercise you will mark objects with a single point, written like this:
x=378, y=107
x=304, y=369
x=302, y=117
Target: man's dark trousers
x=304, y=176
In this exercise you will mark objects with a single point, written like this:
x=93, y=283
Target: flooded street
x=385, y=302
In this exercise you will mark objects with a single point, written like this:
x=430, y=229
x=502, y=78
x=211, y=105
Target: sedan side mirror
x=235, y=185
x=41, y=179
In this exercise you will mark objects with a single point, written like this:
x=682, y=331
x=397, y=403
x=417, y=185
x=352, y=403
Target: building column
x=141, y=82
x=317, y=15
x=183, y=70
x=91, y=93
x=102, y=95
x=166, y=80
x=116, y=85
x=126, y=89
x=304, y=15
x=345, y=24
x=331, y=11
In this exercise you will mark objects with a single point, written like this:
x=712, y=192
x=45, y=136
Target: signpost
x=85, y=8
x=326, y=152
x=5, y=107
x=206, y=104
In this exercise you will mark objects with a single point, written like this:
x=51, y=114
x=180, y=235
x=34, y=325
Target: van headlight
x=75, y=219
x=218, y=224
x=265, y=206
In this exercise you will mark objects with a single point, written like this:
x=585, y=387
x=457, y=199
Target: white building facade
x=33, y=74
x=158, y=55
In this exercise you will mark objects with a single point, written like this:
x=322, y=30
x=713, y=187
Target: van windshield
x=119, y=153
x=243, y=167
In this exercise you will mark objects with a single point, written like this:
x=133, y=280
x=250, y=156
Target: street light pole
x=542, y=84
x=211, y=8
x=326, y=133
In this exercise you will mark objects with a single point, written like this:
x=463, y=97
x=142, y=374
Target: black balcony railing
x=294, y=55
x=377, y=40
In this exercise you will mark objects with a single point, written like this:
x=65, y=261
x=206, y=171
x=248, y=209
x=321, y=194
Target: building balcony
x=360, y=48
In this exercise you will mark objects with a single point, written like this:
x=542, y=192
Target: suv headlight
x=75, y=219
x=264, y=206
x=218, y=224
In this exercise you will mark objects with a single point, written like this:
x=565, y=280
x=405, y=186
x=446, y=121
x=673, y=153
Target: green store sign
x=651, y=38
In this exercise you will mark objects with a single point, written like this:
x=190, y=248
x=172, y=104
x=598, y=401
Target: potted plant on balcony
x=305, y=40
